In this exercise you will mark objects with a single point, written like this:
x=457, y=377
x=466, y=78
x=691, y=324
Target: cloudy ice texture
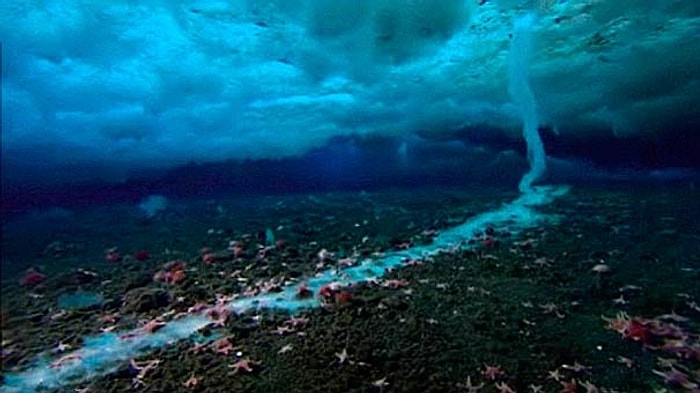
x=104, y=89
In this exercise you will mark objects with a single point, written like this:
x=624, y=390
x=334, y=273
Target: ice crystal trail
x=520, y=91
x=105, y=353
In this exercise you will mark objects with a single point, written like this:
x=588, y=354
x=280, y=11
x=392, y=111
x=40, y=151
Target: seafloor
x=539, y=311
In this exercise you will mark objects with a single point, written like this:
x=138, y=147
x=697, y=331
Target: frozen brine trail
x=104, y=353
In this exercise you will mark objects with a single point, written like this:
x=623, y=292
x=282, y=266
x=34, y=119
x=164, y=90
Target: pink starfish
x=60, y=362
x=297, y=321
x=191, y=382
x=153, y=326
x=197, y=308
x=223, y=346
x=197, y=348
x=109, y=318
x=219, y=314
x=243, y=364
x=504, y=388
x=394, y=284
x=493, y=372
x=282, y=330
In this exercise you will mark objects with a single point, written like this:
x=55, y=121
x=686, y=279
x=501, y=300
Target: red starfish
x=569, y=387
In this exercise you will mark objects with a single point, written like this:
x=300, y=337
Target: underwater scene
x=381, y=196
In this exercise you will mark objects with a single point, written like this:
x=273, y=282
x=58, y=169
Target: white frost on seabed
x=104, y=353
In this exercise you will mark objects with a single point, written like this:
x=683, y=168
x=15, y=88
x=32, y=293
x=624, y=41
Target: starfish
x=694, y=305
x=471, y=388
x=492, y=372
x=281, y=330
x=555, y=375
x=551, y=308
x=504, y=388
x=536, y=388
x=286, y=348
x=576, y=367
x=666, y=362
x=675, y=377
x=60, y=362
x=342, y=356
x=223, y=346
x=620, y=301
x=590, y=388
x=297, y=321
x=394, y=284
x=109, y=318
x=380, y=383
x=197, y=347
x=62, y=347
x=569, y=387
x=219, y=315
x=243, y=364
x=191, y=382
x=153, y=326
x=142, y=368
x=59, y=315
x=626, y=361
